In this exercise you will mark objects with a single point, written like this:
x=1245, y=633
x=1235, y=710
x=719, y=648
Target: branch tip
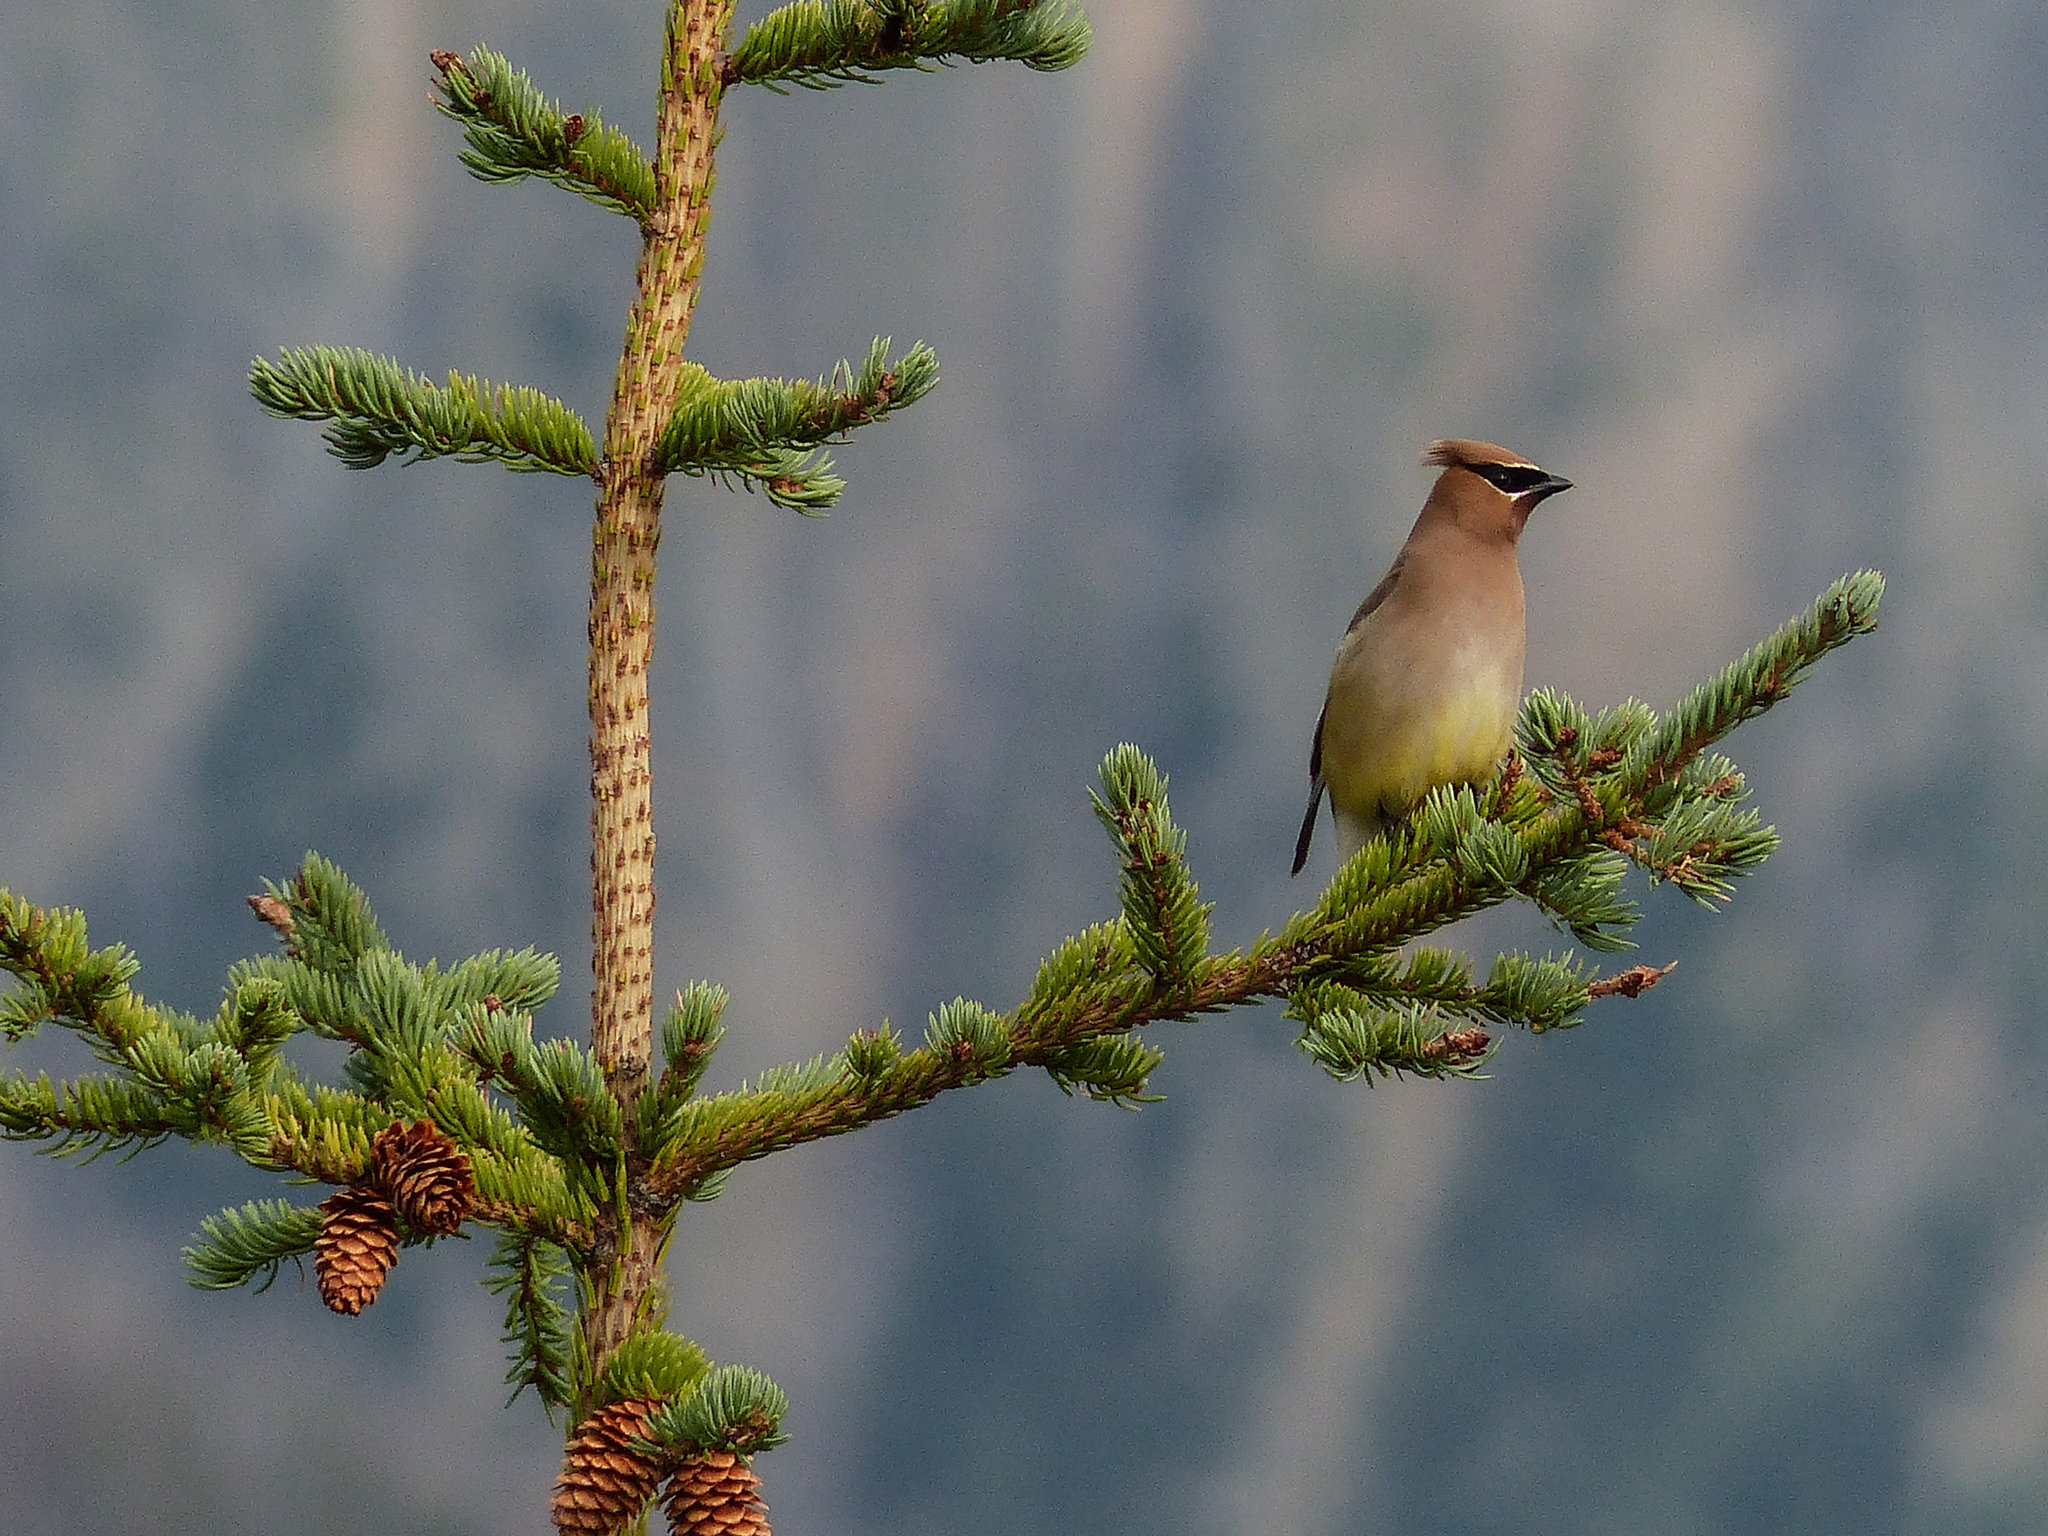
x=1633, y=982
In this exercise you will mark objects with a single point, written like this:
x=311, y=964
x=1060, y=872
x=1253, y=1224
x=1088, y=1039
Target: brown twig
x=1633, y=982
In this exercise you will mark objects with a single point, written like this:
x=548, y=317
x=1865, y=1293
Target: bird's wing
x=1373, y=599
x=1366, y=609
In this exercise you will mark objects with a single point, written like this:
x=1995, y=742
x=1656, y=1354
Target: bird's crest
x=1465, y=453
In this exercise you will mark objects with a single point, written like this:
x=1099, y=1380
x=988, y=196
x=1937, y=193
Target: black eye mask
x=1510, y=479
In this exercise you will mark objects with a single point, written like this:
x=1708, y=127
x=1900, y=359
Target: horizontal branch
x=379, y=409
x=323, y=1137
x=823, y=44
x=720, y=1132
x=248, y=1243
x=766, y=432
x=59, y=977
x=729, y=1129
x=85, y=1117
x=511, y=131
x=226, y=1081
x=1533, y=834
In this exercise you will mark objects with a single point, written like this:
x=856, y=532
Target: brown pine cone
x=605, y=1482
x=357, y=1245
x=426, y=1175
x=715, y=1493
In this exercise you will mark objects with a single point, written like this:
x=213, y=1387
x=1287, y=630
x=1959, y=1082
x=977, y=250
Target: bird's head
x=1488, y=488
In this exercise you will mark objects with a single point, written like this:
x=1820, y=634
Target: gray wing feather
x=1366, y=609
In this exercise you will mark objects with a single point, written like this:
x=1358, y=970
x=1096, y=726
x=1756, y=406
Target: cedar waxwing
x=1428, y=678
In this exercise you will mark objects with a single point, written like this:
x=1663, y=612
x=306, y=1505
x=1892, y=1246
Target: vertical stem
x=628, y=531
x=626, y=536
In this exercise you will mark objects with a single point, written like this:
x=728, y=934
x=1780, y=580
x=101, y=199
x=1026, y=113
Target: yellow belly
x=1387, y=741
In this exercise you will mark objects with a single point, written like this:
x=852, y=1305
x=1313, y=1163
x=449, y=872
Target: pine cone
x=357, y=1245
x=605, y=1482
x=715, y=1493
x=426, y=1175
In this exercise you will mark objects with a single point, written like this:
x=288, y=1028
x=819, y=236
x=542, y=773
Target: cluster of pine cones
x=417, y=1175
x=608, y=1481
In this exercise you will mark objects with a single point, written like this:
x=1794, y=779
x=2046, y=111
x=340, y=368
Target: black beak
x=1548, y=486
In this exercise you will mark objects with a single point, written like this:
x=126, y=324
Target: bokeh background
x=1764, y=1251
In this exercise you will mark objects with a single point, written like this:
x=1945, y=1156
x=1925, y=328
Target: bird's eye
x=1510, y=479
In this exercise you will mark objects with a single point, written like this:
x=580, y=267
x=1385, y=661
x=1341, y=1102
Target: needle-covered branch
x=378, y=409
x=767, y=432
x=533, y=1277
x=511, y=131
x=227, y=1081
x=822, y=44
x=732, y=1408
x=248, y=1244
x=1169, y=922
x=85, y=1117
x=60, y=978
x=1545, y=830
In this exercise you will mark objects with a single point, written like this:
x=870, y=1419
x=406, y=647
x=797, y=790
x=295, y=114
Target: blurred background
x=1764, y=1251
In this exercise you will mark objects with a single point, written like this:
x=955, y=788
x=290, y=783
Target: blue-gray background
x=1765, y=1251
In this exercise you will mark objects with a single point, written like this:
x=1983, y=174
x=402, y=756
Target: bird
x=1428, y=676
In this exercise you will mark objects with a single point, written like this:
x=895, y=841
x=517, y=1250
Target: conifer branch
x=823, y=44
x=226, y=1081
x=1350, y=1036
x=1583, y=797
x=1112, y=1069
x=532, y=1275
x=85, y=1117
x=323, y=1132
x=760, y=430
x=689, y=1034
x=1633, y=982
x=1365, y=1011
x=249, y=1243
x=511, y=131
x=59, y=978
x=1169, y=925
x=1760, y=679
x=379, y=409
x=654, y=1363
x=323, y=917
x=733, y=1408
